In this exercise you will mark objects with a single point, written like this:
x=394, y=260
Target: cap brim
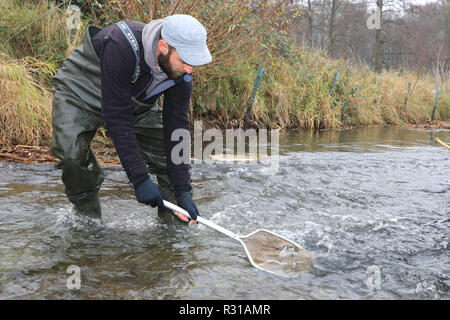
x=195, y=58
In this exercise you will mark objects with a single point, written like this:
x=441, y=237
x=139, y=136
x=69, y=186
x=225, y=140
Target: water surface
x=372, y=204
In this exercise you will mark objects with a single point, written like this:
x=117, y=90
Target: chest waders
x=77, y=115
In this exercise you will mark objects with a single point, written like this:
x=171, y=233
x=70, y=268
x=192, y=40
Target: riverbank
x=299, y=88
x=429, y=125
x=107, y=156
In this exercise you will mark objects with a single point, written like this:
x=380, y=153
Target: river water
x=371, y=204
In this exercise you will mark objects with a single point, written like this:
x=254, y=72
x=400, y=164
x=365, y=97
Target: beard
x=164, y=64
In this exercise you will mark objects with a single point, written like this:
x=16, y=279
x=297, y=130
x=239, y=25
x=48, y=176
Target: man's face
x=172, y=65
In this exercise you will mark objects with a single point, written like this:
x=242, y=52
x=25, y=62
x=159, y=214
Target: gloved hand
x=147, y=192
x=184, y=200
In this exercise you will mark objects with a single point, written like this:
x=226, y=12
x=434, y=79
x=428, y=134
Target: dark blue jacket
x=118, y=63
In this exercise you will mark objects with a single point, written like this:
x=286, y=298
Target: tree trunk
x=379, y=39
x=331, y=27
x=310, y=24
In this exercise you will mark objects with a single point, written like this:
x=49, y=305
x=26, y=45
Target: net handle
x=201, y=220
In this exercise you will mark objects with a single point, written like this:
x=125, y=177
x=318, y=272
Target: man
x=116, y=78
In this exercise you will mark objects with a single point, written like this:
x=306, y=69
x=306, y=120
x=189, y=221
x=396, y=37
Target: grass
x=295, y=91
x=25, y=111
x=33, y=29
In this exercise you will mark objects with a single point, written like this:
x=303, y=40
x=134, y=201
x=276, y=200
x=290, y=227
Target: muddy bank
x=428, y=125
x=106, y=154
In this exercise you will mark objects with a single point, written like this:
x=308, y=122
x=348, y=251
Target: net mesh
x=277, y=255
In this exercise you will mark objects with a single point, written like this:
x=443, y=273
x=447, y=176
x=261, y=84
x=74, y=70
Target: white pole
x=201, y=220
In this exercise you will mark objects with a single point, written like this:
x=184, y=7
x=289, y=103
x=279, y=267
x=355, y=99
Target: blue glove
x=147, y=192
x=184, y=200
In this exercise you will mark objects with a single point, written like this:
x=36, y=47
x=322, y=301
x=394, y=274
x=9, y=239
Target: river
x=372, y=205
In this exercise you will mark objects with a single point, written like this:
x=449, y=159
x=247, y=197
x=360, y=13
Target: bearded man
x=115, y=79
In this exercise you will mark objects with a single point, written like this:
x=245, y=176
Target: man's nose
x=188, y=68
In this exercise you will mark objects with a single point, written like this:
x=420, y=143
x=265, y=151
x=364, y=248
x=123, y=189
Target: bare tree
x=378, y=54
x=331, y=26
x=414, y=37
x=310, y=24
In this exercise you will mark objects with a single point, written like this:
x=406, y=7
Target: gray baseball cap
x=188, y=36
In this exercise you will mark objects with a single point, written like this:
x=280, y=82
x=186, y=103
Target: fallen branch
x=437, y=140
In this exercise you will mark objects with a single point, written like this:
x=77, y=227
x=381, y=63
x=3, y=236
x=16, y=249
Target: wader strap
x=134, y=44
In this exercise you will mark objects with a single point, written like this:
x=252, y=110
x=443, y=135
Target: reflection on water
x=355, y=198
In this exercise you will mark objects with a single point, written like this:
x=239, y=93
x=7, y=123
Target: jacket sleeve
x=175, y=116
x=117, y=67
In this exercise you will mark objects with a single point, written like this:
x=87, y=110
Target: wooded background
x=410, y=35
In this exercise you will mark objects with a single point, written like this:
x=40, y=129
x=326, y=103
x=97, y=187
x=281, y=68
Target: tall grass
x=295, y=91
x=25, y=110
x=34, y=28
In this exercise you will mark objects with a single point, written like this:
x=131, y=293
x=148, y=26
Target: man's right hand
x=147, y=192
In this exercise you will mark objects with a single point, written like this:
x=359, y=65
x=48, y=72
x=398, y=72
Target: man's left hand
x=184, y=200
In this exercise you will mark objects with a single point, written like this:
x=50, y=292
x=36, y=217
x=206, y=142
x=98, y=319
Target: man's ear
x=163, y=46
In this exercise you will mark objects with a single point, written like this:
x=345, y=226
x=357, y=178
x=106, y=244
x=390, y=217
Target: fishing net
x=275, y=254
x=266, y=250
